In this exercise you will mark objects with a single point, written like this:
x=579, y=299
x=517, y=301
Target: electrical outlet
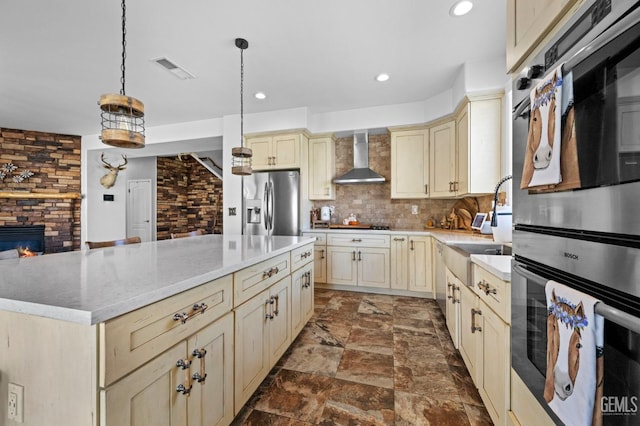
x=414, y=209
x=232, y=211
x=15, y=403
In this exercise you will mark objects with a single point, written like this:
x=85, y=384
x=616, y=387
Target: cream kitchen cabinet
x=319, y=256
x=485, y=339
x=399, y=262
x=301, y=288
x=452, y=309
x=189, y=384
x=442, y=159
x=358, y=260
x=478, y=145
x=272, y=152
x=322, y=167
x=470, y=328
x=410, y=163
x=528, y=22
x=411, y=265
x=262, y=334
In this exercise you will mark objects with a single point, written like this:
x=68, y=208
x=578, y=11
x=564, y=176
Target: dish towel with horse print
x=542, y=154
x=575, y=340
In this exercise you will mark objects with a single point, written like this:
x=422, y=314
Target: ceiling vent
x=174, y=69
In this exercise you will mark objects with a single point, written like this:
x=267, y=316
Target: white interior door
x=139, y=214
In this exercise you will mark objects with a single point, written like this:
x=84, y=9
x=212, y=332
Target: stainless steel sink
x=457, y=257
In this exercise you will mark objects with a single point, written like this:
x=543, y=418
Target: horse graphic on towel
x=565, y=323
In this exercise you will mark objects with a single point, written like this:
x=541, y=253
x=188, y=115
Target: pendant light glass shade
x=241, y=156
x=122, y=116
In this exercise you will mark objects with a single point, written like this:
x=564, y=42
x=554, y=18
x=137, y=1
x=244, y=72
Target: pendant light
x=241, y=156
x=122, y=116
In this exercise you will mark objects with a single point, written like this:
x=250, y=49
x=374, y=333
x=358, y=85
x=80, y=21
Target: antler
x=111, y=166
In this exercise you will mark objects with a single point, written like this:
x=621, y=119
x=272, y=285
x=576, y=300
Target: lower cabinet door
x=211, y=355
x=252, y=347
x=320, y=262
x=301, y=298
x=374, y=267
x=342, y=265
x=148, y=396
x=420, y=264
x=470, y=333
x=279, y=325
x=496, y=347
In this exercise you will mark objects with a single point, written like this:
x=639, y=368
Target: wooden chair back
x=187, y=234
x=112, y=243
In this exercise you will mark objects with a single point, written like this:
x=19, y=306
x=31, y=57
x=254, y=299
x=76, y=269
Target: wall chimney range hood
x=361, y=173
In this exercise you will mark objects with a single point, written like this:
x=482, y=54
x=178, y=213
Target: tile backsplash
x=372, y=203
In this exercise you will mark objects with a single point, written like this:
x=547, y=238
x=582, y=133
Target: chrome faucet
x=494, y=217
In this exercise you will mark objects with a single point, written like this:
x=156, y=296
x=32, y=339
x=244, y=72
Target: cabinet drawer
x=252, y=280
x=321, y=238
x=130, y=340
x=301, y=256
x=358, y=240
x=495, y=292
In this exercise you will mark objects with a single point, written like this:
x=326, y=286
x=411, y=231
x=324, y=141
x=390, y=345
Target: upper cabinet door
x=261, y=147
x=286, y=151
x=528, y=22
x=410, y=163
x=322, y=166
x=442, y=159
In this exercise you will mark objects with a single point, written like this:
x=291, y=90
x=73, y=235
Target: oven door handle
x=599, y=42
x=608, y=312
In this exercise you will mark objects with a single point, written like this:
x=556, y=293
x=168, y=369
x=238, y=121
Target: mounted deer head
x=109, y=179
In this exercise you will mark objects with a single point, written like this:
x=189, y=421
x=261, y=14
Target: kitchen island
x=142, y=333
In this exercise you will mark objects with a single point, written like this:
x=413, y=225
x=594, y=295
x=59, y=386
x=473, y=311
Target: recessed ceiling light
x=260, y=95
x=461, y=8
x=382, y=77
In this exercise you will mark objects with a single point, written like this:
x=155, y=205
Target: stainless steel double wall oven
x=587, y=238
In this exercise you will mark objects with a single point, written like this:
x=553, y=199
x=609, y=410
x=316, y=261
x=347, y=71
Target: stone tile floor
x=368, y=359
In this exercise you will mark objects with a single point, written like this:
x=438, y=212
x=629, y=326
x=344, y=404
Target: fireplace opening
x=27, y=239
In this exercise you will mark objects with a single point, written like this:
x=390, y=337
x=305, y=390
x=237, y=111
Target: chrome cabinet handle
x=276, y=311
x=200, y=376
x=267, y=307
x=356, y=240
x=486, y=287
x=184, y=388
x=412, y=248
x=426, y=188
x=359, y=256
x=322, y=254
x=353, y=256
x=196, y=309
x=398, y=239
x=475, y=312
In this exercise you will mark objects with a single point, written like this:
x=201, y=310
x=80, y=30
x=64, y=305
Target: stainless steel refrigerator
x=271, y=203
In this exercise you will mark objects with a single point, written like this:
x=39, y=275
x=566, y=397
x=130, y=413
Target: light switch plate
x=414, y=209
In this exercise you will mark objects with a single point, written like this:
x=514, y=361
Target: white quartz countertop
x=92, y=286
x=500, y=266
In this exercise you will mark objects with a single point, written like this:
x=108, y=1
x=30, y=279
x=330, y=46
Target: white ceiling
x=58, y=56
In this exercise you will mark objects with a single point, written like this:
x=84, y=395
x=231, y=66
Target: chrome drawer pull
x=201, y=376
x=475, y=312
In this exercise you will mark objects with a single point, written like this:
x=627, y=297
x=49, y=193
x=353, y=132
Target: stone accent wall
x=189, y=197
x=54, y=161
x=372, y=203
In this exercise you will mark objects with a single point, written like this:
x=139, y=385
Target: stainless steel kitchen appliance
x=587, y=238
x=271, y=203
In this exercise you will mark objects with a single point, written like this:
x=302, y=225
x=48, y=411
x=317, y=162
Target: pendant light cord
x=241, y=97
x=124, y=45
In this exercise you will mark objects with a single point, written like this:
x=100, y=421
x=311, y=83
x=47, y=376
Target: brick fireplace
x=51, y=195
